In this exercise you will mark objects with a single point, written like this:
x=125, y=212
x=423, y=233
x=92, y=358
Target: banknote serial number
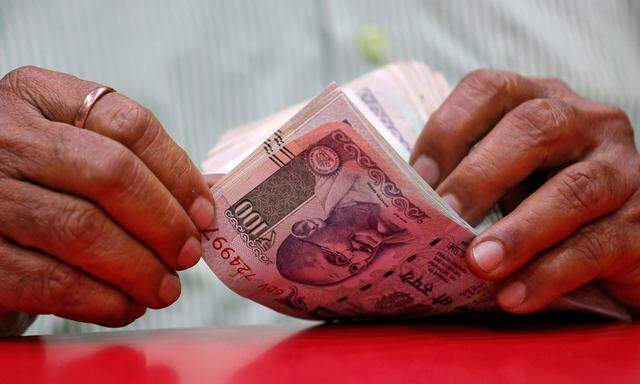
x=228, y=254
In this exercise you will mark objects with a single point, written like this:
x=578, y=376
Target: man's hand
x=93, y=222
x=491, y=142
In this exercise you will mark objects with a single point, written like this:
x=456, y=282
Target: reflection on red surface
x=440, y=351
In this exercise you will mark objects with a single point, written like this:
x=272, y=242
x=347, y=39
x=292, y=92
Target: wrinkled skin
x=564, y=168
x=94, y=222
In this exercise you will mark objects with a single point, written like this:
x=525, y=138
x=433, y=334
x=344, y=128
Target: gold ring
x=87, y=104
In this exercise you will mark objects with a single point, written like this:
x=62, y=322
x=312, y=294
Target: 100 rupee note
x=326, y=224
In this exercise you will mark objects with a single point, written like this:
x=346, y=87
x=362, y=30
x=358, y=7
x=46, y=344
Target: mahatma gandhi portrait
x=350, y=236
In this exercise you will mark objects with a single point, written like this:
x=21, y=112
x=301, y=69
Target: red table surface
x=416, y=352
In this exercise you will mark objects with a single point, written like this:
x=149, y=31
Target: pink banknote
x=324, y=222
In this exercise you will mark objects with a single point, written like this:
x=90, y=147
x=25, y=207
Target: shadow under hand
x=49, y=359
x=114, y=364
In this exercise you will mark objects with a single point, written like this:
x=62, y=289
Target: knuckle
x=629, y=215
x=120, y=161
x=133, y=123
x=82, y=225
x=495, y=82
x=480, y=166
x=605, y=122
x=591, y=245
x=625, y=132
x=583, y=186
x=620, y=122
x=541, y=121
x=609, y=112
x=117, y=170
x=619, y=114
x=19, y=79
x=59, y=287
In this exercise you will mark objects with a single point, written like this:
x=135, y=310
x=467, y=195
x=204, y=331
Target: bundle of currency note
x=320, y=216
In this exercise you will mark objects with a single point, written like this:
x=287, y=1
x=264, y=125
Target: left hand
x=492, y=140
x=94, y=222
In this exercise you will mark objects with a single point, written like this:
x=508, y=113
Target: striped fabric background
x=206, y=66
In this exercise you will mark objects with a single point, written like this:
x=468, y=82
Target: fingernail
x=452, y=202
x=513, y=294
x=488, y=255
x=189, y=254
x=428, y=169
x=169, y=288
x=201, y=212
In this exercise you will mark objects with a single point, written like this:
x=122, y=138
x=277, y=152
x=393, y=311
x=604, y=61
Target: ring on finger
x=88, y=103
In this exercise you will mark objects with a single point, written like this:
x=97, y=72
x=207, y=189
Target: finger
x=539, y=133
x=59, y=96
x=85, y=164
x=137, y=128
x=580, y=259
x=575, y=196
x=79, y=233
x=213, y=178
x=619, y=234
x=473, y=107
x=33, y=283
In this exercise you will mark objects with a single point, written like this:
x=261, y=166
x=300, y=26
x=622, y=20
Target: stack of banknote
x=320, y=216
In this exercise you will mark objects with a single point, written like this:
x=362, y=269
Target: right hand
x=94, y=222
x=564, y=168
